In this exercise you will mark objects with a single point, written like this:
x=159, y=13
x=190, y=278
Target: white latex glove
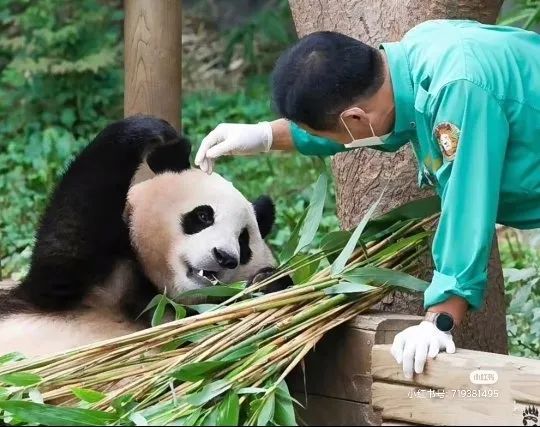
x=231, y=138
x=415, y=344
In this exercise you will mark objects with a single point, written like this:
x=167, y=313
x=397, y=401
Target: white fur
x=155, y=208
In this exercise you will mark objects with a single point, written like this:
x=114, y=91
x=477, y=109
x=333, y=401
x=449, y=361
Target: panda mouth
x=207, y=277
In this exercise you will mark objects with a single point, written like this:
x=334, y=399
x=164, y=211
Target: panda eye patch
x=245, y=251
x=198, y=219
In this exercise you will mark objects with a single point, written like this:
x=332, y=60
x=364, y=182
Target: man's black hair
x=322, y=74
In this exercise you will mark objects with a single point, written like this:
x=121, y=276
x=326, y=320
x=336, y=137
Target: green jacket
x=467, y=98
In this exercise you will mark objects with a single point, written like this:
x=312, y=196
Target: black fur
x=265, y=213
x=197, y=219
x=276, y=285
x=245, y=250
x=82, y=233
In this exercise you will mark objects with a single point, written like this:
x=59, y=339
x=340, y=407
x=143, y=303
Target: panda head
x=189, y=229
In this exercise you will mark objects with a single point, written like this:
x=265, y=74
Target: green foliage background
x=61, y=81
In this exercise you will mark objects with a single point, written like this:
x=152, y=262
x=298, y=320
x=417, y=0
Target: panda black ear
x=265, y=213
x=170, y=157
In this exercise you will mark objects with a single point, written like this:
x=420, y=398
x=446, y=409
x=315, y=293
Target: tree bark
x=360, y=175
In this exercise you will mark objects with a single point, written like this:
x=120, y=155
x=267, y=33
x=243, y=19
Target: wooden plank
x=325, y=411
x=410, y=404
x=340, y=365
x=518, y=377
x=152, y=59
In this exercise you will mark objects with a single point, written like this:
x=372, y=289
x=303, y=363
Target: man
x=465, y=95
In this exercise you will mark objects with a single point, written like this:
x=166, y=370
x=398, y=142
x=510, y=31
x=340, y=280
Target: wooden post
x=152, y=58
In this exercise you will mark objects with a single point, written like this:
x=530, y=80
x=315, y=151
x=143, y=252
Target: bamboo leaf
x=179, y=310
x=11, y=357
x=284, y=408
x=384, y=275
x=138, y=419
x=153, y=302
x=193, y=372
x=267, y=410
x=252, y=390
x=211, y=418
x=229, y=410
x=241, y=352
x=308, y=265
x=20, y=379
x=313, y=218
x=202, y=308
x=88, y=395
x=211, y=291
x=416, y=209
x=35, y=395
x=339, y=264
x=208, y=393
x=36, y=413
x=159, y=312
x=292, y=243
x=190, y=420
x=348, y=288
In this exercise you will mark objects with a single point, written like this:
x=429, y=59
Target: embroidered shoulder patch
x=447, y=136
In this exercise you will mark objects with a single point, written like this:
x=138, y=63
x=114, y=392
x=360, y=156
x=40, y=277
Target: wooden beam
x=152, y=58
x=339, y=367
x=518, y=377
x=445, y=393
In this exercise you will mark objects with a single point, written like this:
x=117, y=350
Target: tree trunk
x=152, y=59
x=360, y=175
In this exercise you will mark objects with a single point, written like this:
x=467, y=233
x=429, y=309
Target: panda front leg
x=276, y=285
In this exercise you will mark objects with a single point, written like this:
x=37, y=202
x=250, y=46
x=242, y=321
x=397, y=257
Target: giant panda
x=129, y=219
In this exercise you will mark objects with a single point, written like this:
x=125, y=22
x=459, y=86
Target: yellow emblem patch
x=447, y=135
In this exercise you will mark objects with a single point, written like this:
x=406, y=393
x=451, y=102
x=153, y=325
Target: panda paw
x=276, y=285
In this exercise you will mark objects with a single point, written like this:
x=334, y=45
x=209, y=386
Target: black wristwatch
x=443, y=321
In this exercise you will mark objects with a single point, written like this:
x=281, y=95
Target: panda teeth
x=200, y=273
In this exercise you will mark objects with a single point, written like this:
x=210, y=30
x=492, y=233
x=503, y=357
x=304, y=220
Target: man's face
x=358, y=128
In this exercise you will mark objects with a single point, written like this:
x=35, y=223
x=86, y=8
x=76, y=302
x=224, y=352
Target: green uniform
x=467, y=97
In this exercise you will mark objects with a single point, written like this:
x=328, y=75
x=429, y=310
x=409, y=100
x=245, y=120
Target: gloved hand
x=415, y=344
x=230, y=138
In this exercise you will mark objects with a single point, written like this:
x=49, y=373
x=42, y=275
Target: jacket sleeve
x=469, y=119
x=312, y=145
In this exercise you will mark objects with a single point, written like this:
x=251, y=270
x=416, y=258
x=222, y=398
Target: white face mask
x=365, y=142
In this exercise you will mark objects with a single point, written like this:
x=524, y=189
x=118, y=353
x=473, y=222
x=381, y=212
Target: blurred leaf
x=349, y=288
x=88, y=395
x=159, y=312
x=267, y=410
x=284, y=410
x=194, y=372
x=208, y=393
x=311, y=223
x=229, y=410
x=20, y=379
x=11, y=357
x=212, y=291
x=519, y=299
x=31, y=412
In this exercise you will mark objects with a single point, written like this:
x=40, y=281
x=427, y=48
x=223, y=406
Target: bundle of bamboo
x=228, y=364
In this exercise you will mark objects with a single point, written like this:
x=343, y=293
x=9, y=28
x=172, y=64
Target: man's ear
x=265, y=213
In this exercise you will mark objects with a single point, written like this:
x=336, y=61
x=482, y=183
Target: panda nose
x=225, y=259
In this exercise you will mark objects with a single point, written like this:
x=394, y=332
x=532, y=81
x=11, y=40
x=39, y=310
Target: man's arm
x=471, y=130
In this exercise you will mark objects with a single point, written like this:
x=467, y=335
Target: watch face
x=444, y=322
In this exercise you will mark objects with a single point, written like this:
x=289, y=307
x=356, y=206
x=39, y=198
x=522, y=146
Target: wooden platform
x=352, y=379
